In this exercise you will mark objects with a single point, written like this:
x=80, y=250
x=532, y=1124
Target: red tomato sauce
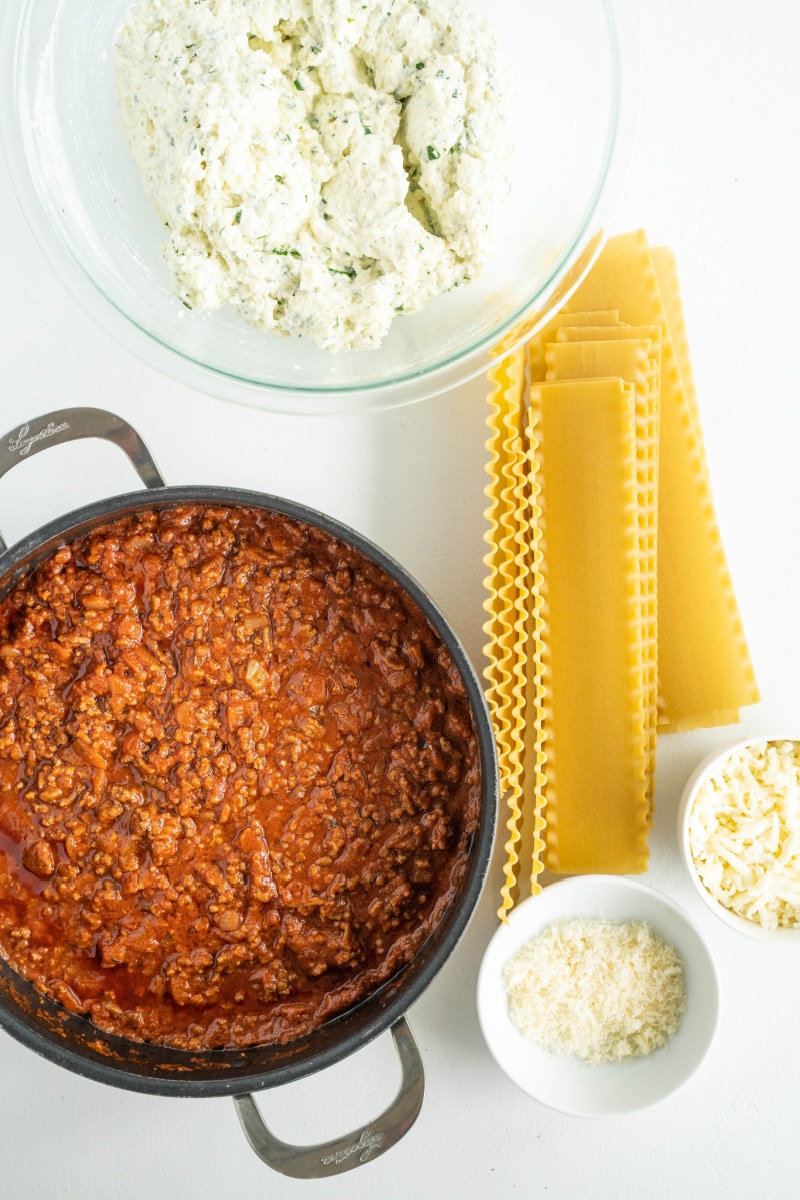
x=239, y=777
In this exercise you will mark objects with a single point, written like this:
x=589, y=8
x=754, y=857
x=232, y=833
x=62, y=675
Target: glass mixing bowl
x=575, y=78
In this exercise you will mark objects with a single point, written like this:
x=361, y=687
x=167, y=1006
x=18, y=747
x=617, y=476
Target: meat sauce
x=239, y=777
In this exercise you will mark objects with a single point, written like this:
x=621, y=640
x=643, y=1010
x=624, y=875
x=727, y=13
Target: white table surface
x=717, y=178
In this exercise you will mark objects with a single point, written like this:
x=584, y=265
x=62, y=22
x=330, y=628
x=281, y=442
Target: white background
x=717, y=179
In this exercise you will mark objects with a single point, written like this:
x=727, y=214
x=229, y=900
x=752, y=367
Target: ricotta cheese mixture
x=322, y=165
x=598, y=990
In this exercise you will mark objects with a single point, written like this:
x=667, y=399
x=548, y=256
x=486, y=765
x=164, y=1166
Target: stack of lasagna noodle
x=611, y=615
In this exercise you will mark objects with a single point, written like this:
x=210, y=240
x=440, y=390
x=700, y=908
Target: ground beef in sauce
x=238, y=777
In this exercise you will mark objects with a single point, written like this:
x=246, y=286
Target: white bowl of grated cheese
x=574, y=77
x=739, y=830
x=612, y=964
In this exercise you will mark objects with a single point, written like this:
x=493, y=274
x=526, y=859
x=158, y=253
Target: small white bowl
x=567, y=1084
x=710, y=766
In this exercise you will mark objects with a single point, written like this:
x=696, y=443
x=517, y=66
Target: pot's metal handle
x=345, y=1153
x=67, y=424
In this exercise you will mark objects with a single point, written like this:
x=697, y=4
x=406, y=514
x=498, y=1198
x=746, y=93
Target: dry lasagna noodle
x=598, y=715
x=636, y=361
x=506, y=606
x=704, y=670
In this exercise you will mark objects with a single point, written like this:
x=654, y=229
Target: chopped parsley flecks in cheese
x=744, y=833
x=599, y=990
x=322, y=165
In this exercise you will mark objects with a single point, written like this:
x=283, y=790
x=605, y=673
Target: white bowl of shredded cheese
x=598, y=997
x=739, y=830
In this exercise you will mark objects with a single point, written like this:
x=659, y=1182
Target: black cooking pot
x=72, y=1041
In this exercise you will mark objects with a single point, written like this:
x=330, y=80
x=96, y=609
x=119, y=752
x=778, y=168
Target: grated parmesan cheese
x=598, y=990
x=744, y=833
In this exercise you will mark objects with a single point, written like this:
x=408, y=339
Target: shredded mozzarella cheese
x=744, y=833
x=598, y=990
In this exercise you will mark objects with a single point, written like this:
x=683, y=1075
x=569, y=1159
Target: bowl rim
x=782, y=936
x=523, y=924
x=408, y=387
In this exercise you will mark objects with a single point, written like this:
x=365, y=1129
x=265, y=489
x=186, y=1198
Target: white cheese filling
x=322, y=165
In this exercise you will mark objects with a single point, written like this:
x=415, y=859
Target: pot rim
x=72, y=1041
